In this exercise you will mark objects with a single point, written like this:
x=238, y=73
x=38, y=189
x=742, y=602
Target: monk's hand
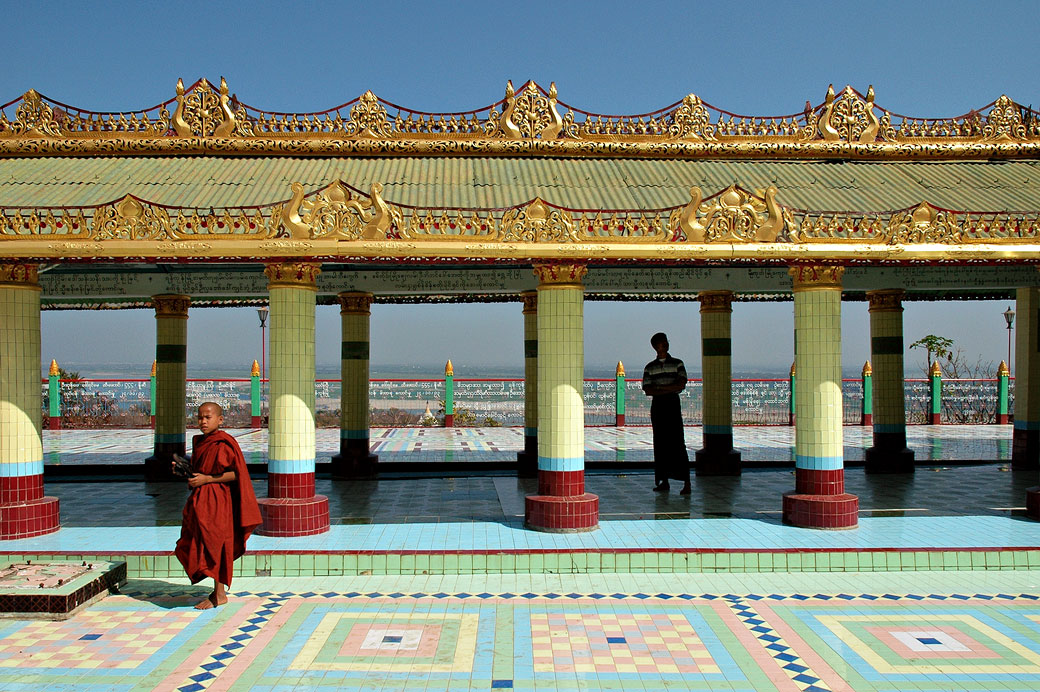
x=198, y=479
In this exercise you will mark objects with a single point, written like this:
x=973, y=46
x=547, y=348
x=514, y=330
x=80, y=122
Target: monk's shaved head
x=215, y=407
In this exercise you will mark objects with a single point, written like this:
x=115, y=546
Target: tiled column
x=291, y=507
x=527, y=460
x=354, y=459
x=889, y=453
x=24, y=510
x=171, y=355
x=718, y=458
x=819, y=500
x=1025, y=448
x=561, y=505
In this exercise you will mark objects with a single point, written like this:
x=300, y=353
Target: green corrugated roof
x=472, y=182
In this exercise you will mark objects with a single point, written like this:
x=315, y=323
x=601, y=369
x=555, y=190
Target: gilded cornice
x=292, y=274
x=171, y=306
x=560, y=275
x=886, y=300
x=716, y=301
x=20, y=275
x=530, y=121
x=355, y=303
x=815, y=277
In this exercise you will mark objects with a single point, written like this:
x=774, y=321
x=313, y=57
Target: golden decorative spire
x=935, y=371
x=255, y=371
x=153, y=368
x=1003, y=370
x=449, y=370
x=54, y=368
x=867, y=370
x=619, y=371
x=792, y=369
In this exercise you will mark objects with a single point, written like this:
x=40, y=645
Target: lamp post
x=1009, y=317
x=262, y=313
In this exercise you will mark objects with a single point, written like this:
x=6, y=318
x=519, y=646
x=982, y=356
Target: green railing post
x=868, y=394
x=1003, y=374
x=790, y=413
x=54, y=397
x=254, y=396
x=936, y=415
x=449, y=395
x=619, y=396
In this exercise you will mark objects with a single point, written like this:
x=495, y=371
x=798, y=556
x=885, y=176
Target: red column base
x=619, y=420
x=28, y=519
x=256, y=422
x=54, y=423
x=821, y=511
x=935, y=419
x=1002, y=419
x=562, y=513
x=868, y=419
x=1033, y=502
x=449, y=420
x=294, y=517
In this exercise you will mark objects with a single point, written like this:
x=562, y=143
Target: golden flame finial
x=1003, y=370
x=449, y=370
x=54, y=368
x=153, y=368
x=255, y=371
x=620, y=369
x=936, y=371
x=792, y=369
x=867, y=370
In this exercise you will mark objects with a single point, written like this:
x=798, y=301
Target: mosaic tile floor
x=861, y=632
x=756, y=443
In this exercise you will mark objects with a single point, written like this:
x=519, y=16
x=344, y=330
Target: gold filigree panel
x=734, y=216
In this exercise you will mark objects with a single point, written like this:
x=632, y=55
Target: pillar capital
x=560, y=275
x=20, y=276
x=171, y=306
x=716, y=301
x=355, y=302
x=530, y=299
x=292, y=274
x=816, y=277
x=886, y=300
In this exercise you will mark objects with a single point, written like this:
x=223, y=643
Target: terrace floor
x=428, y=581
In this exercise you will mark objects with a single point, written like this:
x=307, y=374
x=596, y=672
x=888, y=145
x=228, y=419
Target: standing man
x=663, y=379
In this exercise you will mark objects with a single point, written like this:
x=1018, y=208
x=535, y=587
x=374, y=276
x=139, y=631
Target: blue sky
x=926, y=58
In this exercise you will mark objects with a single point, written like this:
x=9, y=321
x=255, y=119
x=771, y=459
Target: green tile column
x=54, y=397
x=354, y=459
x=561, y=505
x=24, y=510
x=717, y=458
x=1025, y=448
x=291, y=508
x=171, y=372
x=819, y=499
x=527, y=460
x=889, y=453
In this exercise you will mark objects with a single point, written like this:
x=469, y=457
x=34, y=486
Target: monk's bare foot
x=210, y=602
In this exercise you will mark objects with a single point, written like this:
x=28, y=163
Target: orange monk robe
x=218, y=517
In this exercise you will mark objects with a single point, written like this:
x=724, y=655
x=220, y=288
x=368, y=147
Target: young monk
x=221, y=511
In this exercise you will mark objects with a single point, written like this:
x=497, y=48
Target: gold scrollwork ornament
x=734, y=216
x=333, y=212
x=530, y=114
x=849, y=118
x=129, y=219
x=204, y=112
x=924, y=224
x=538, y=223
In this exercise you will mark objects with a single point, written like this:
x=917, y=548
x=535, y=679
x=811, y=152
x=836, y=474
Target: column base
x=256, y=422
x=562, y=513
x=883, y=459
x=27, y=519
x=354, y=465
x=717, y=462
x=54, y=423
x=821, y=511
x=1025, y=450
x=294, y=517
x=157, y=466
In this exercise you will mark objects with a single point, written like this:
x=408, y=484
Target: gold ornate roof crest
x=203, y=112
x=538, y=223
x=849, y=118
x=531, y=114
x=335, y=212
x=732, y=216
